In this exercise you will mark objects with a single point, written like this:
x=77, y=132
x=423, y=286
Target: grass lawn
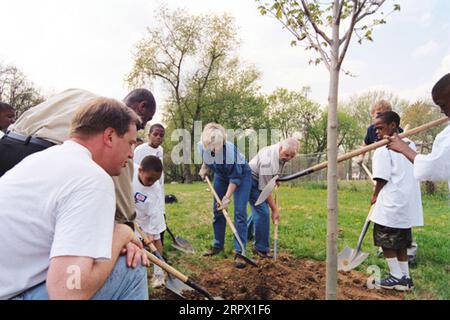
x=302, y=230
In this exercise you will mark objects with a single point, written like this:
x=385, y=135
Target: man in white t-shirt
x=57, y=230
x=398, y=205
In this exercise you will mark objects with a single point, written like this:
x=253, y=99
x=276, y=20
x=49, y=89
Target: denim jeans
x=258, y=223
x=240, y=196
x=122, y=284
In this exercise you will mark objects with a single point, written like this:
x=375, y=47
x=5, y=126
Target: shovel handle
x=275, y=231
x=227, y=217
x=367, y=171
x=163, y=265
x=366, y=149
x=364, y=230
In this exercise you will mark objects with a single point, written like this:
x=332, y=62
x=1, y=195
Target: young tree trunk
x=331, y=276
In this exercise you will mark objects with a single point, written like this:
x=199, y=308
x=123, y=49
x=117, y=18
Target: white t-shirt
x=149, y=206
x=57, y=202
x=399, y=203
x=436, y=165
x=1, y=134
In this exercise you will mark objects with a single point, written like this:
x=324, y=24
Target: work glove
x=203, y=171
x=225, y=203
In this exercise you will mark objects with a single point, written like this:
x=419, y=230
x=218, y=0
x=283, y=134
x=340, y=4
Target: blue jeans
x=240, y=196
x=122, y=284
x=258, y=222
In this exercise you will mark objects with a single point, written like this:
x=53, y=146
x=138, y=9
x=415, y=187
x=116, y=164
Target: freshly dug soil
x=287, y=278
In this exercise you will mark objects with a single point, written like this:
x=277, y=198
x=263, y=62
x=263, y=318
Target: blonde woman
x=232, y=177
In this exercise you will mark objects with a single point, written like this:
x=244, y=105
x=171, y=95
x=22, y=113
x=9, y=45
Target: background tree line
x=195, y=59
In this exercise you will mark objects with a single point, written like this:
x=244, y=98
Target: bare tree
x=185, y=52
x=17, y=90
x=328, y=28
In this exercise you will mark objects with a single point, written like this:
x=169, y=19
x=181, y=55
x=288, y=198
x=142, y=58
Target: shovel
x=269, y=187
x=348, y=258
x=180, y=243
x=231, y=225
x=173, y=284
x=184, y=279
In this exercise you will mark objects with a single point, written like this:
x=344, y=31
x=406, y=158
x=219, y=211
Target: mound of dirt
x=287, y=278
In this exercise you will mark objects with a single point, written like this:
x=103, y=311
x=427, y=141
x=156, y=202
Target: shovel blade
x=183, y=245
x=267, y=191
x=349, y=259
x=247, y=259
x=176, y=286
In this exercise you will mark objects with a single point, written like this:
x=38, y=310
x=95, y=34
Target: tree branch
x=313, y=23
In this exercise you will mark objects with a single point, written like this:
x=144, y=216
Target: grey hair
x=290, y=144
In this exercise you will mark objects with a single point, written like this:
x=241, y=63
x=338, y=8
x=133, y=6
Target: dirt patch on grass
x=287, y=278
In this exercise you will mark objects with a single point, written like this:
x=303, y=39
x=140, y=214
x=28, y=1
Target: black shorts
x=392, y=238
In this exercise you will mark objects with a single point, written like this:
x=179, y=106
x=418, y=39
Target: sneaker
x=158, y=281
x=239, y=262
x=212, y=251
x=392, y=282
x=261, y=254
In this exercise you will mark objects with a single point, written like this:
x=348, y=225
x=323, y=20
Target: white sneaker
x=158, y=281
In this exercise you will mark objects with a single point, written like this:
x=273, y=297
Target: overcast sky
x=89, y=43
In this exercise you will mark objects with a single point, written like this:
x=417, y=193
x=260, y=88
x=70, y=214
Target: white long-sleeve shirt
x=436, y=165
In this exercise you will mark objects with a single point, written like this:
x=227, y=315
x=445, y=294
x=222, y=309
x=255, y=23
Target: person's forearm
x=410, y=154
x=92, y=273
x=102, y=269
x=378, y=186
x=271, y=203
x=231, y=189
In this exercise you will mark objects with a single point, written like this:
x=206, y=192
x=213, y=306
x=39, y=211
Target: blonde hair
x=384, y=105
x=100, y=113
x=213, y=136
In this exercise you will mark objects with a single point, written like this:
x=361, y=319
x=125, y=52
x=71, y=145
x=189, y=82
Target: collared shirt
x=266, y=164
x=51, y=119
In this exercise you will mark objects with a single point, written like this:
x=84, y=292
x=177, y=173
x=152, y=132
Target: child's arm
x=380, y=183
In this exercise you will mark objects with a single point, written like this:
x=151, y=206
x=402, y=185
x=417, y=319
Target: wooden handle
x=381, y=143
x=143, y=235
x=225, y=213
x=177, y=274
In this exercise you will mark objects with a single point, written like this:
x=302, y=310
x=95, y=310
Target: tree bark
x=331, y=273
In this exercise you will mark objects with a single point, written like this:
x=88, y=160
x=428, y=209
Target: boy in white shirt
x=149, y=214
x=398, y=205
x=154, y=148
